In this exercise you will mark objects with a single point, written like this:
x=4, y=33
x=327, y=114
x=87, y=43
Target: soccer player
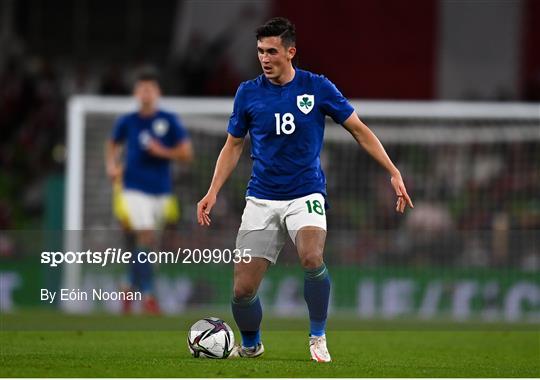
x=284, y=112
x=143, y=201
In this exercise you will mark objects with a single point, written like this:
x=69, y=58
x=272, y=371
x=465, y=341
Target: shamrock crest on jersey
x=305, y=103
x=160, y=127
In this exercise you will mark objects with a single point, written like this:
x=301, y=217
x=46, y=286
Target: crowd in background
x=475, y=206
x=31, y=125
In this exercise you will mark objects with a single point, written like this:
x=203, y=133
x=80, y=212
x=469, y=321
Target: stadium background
x=470, y=248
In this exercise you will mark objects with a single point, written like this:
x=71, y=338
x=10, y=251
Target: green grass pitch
x=156, y=347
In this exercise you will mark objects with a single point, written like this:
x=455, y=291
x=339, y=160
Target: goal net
x=469, y=249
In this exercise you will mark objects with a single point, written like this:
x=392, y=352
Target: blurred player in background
x=143, y=199
x=284, y=112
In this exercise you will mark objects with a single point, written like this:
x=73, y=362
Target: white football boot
x=247, y=352
x=317, y=348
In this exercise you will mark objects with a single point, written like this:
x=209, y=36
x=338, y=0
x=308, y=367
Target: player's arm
x=367, y=139
x=183, y=151
x=226, y=162
x=113, y=167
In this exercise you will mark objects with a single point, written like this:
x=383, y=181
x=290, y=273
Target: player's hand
x=203, y=209
x=155, y=148
x=403, y=198
x=114, y=171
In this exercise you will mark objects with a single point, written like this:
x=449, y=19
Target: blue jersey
x=286, y=126
x=143, y=171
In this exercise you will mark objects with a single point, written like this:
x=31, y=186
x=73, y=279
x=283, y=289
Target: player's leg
x=260, y=239
x=306, y=222
x=310, y=245
x=146, y=240
x=163, y=210
x=246, y=305
x=141, y=208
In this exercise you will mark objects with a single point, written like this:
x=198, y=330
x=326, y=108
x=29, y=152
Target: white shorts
x=145, y=211
x=266, y=223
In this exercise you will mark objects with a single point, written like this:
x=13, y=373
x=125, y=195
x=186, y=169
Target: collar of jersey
x=281, y=86
x=156, y=114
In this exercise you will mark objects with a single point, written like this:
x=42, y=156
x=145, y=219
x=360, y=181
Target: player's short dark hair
x=148, y=74
x=278, y=27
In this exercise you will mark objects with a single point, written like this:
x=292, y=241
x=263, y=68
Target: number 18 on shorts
x=266, y=223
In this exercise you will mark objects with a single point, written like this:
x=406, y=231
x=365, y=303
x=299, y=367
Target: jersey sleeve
x=334, y=103
x=178, y=132
x=238, y=122
x=119, y=132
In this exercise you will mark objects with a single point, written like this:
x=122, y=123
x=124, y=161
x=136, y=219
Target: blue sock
x=317, y=295
x=141, y=274
x=247, y=313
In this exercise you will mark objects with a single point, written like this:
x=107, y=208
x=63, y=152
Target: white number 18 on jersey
x=285, y=124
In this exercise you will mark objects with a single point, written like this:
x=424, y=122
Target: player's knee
x=311, y=260
x=145, y=238
x=244, y=291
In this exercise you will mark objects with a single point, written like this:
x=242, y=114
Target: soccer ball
x=210, y=338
